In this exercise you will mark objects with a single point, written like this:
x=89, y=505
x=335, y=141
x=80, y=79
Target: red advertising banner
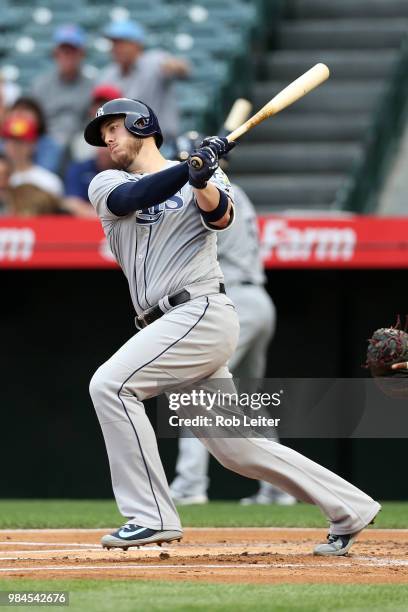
x=53, y=242
x=349, y=241
x=346, y=241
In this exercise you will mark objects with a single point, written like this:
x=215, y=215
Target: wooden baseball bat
x=290, y=94
x=237, y=115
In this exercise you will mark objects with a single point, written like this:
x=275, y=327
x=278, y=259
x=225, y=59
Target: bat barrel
x=290, y=94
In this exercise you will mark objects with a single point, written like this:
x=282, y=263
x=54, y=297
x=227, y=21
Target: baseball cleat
x=336, y=546
x=134, y=535
x=187, y=500
x=281, y=498
x=284, y=499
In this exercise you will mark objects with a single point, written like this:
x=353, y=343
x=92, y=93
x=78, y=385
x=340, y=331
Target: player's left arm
x=211, y=190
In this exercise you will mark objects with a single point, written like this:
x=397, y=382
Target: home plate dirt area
x=270, y=555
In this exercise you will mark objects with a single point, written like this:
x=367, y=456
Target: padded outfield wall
x=57, y=326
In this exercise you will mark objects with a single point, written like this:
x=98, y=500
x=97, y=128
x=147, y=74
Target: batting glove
x=220, y=146
x=198, y=177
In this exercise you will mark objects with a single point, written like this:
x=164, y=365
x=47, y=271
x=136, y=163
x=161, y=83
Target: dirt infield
x=211, y=555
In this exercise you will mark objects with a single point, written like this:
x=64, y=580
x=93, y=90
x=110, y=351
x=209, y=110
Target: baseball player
x=161, y=219
x=241, y=263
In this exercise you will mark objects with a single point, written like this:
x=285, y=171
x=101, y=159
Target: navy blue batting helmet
x=140, y=120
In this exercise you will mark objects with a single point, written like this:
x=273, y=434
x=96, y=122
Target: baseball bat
x=238, y=114
x=290, y=94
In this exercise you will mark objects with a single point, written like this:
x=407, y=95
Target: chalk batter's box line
x=369, y=563
x=191, y=529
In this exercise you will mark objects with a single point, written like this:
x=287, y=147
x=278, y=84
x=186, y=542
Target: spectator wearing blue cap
x=63, y=92
x=145, y=75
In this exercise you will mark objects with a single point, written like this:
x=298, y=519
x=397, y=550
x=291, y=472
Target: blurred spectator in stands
x=9, y=92
x=21, y=134
x=81, y=150
x=63, y=92
x=77, y=179
x=28, y=200
x=87, y=161
x=145, y=75
x=48, y=152
x=5, y=173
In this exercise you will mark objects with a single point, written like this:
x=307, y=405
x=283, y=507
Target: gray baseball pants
x=257, y=321
x=194, y=341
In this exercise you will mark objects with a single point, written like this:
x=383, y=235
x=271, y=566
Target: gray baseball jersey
x=163, y=248
x=238, y=250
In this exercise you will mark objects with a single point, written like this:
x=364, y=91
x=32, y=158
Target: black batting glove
x=220, y=146
x=198, y=177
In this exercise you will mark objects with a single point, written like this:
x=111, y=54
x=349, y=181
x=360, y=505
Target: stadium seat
x=12, y=19
x=210, y=34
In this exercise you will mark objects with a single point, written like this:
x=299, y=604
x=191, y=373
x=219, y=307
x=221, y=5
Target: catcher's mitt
x=388, y=346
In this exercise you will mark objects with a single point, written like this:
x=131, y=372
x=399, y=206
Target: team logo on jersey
x=153, y=214
x=223, y=178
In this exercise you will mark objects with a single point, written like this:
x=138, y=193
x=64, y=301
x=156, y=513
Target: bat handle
x=196, y=162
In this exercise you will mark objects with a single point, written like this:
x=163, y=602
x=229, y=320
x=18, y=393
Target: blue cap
x=125, y=30
x=69, y=35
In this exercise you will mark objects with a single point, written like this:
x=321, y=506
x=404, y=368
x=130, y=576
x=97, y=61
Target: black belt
x=174, y=300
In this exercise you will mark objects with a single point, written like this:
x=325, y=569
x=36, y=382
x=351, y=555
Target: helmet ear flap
x=130, y=124
x=141, y=123
x=137, y=125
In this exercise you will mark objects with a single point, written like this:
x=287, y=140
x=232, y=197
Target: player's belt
x=175, y=299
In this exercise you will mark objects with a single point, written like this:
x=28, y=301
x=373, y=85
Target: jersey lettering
x=153, y=214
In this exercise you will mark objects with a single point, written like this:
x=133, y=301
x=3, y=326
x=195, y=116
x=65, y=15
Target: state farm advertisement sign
x=315, y=242
x=53, y=242
x=347, y=242
x=286, y=242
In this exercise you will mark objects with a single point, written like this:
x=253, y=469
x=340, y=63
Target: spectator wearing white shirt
x=21, y=134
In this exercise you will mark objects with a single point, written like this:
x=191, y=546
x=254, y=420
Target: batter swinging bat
x=290, y=94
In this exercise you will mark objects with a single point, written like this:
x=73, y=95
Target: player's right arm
x=127, y=196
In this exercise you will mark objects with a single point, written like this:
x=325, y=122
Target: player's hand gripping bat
x=290, y=94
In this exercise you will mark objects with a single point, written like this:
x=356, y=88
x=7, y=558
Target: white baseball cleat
x=187, y=500
x=134, y=535
x=284, y=499
x=281, y=498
